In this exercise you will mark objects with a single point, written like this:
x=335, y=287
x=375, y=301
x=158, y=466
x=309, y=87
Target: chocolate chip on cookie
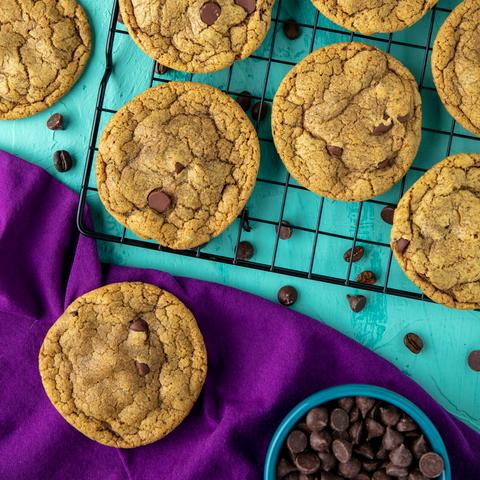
x=402, y=244
x=249, y=5
x=159, y=201
x=209, y=12
x=139, y=325
x=335, y=151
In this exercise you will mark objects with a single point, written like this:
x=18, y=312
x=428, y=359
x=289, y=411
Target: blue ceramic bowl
x=324, y=396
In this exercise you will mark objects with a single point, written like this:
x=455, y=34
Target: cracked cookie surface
x=197, y=35
x=346, y=121
x=44, y=47
x=178, y=163
x=456, y=64
x=124, y=364
x=367, y=16
x=436, y=232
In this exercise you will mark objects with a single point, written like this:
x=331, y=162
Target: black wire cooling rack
x=318, y=233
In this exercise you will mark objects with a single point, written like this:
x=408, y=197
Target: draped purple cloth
x=263, y=358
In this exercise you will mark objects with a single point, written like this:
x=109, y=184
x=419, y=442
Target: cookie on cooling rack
x=369, y=17
x=456, y=64
x=178, y=163
x=44, y=48
x=347, y=121
x=198, y=35
x=124, y=364
x=436, y=232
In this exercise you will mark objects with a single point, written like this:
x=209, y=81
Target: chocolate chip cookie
x=44, y=47
x=124, y=364
x=456, y=64
x=436, y=232
x=178, y=163
x=347, y=121
x=197, y=35
x=369, y=17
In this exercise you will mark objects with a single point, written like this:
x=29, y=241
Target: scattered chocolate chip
x=245, y=251
x=55, y=122
x=160, y=69
x=342, y=450
x=139, y=325
x=285, y=230
x=404, y=118
x=367, y=277
x=357, y=302
x=296, y=441
x=62, y=161
x=209, y=12
x=402, y=244
x=401, y=456
x=291, y=29
x=334, y=151
x=346, y=403
x=287, y=295
x=317, y=419
x=249, y=5
x=339, y=420
x=179, y=168
x=244, y=100
x=257, y=114
x=350, y=469
x=142, y=368
x=321, y=441
x=406, y=424
x=382, y=128
x=159, y=201
x=413, y=342
x=307, y=462
x=358, y=253
x=387, y=214
x=431, y=465
x=474, y=360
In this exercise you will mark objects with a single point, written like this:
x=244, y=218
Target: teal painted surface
x=449, y=335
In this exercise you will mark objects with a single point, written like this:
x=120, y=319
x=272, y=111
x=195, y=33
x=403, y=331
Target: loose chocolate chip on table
x=382, y=128
x=402, y=244
x=160, y=69
x=367, y=277
x=389, y=415
x=351, y=468
x=406, y=424
x=474, y=360
x=392, y=439
x=307, y=462
x=413, y=342
x=431, y=465
x=287, y=295
x=401, y=456
x=62, y=161
x=320, y=441
x=245, y=251
x=244, y=100
x=257, y=114
x=249, y=5
x=317, y=419
x=296, y=441
x=139, y=325
x=159, y=201
x=209, y=12
x=357, y=302
x=285, y=230
x=55, y=122
x=339, y=420
x=291, y=29
x=179, y=168
x=142, y=368
x=358, y=253
x=342, y=450
x=387, y=214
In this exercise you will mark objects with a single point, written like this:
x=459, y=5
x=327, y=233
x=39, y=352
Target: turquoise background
x=449, y=335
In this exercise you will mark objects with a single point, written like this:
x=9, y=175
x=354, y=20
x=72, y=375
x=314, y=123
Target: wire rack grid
x=322, y=229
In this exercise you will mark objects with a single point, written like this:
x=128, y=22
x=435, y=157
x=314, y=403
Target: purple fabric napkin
x=263, y=358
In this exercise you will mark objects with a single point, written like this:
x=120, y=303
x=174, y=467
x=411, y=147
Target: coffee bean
x=334, y=151
x=367, y=278
x=259, y=114
x=339, y=420
x=160, y=69
x=321, y=441
x=401, y=456
x=307, y=462
x=346, y=403
x=419, y=446
x=55, y=122
x=357, y=302
x=413, y=342
x=404, y=118
x=139, y=325
x=142, y=368
x=249, y=5
x=296, y=441
x=342, y=450
x=402, y=244
x=287, y=295
x=387, y=214
x=328, y=460
x=392, y=439
x=291, y=29
x=406, y=424
x=285, y=230
x=209, y=12
x=358, y=253
x=179, y=168
x=389, y=415
x=374, y=429
x=382, y=128
x=350, y=469
x=159, y=201
x=317, y=419
x=244, y=100
x=284, y=467
x=474, y=360
x=62, y=161
x=431, y=465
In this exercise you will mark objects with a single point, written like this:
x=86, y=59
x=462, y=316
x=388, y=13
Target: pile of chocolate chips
x=358, y=438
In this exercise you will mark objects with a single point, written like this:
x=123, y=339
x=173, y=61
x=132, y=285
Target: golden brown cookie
x=456, y=64
x=436, y=232
x=124, y=364
x=372, y=16
x=44, y=47
x=347, y=121
x=178, y=163
x=197, y=35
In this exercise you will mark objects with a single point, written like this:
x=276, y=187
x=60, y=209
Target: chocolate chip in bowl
x=360, y=432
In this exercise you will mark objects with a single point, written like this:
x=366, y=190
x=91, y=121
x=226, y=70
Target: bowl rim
x=348, y=390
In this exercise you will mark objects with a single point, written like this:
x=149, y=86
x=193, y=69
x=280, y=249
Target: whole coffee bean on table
x=367, y=277
x=56, y=122
x=62, y=161
x=358, y=253
x=413, y=342
x=287, y=295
